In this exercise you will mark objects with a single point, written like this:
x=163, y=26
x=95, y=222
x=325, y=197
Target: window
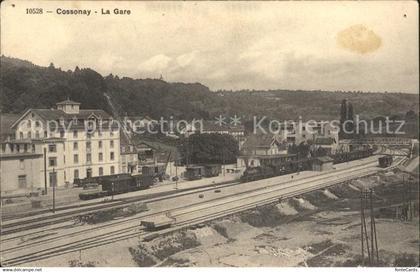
x=101, y=171
x=45, y=134
x=101, y=157
x=88, y=145
x=76, y=174
x=52, y=161
x=75, y=146
x=29, y=135
x=89, y=172
x=112, y=170
x=112, y=156
x=33, y=148
x=21, y=164
x=29, y=123
x=37, y=134
x=111, y=143
x=111, y=133
x=100, y=144
x=76, y=158
x=64, y=159
x=52, y=148
x=3, y=147
x=62, y=133
x=88, y=158
x=21, y=135
x=75, y=134
x=22, y=181
x=37, y=124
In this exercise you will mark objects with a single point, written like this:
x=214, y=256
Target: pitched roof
x=324, y=141
x=260, y=141
x=324, y=159
x=68, y=102
x=54, y=114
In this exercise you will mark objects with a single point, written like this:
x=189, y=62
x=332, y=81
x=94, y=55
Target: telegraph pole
x=45, y=171
x=54, y=181
x=372, y=249
x=361, y=228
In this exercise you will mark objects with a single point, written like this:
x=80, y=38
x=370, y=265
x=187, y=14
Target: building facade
x=20, y=166
x=77, y=143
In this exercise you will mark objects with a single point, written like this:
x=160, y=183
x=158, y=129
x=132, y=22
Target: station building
x=63, y=144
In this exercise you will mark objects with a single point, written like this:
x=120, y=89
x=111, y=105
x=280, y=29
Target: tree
x=209, y=148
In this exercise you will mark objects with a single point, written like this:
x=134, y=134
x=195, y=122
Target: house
x=129, y=156
x=324, y=163
x=76, y=143
x=298, y=132
x=329, y=144
x=21, y=165
x=258, y=147
x=202, y=126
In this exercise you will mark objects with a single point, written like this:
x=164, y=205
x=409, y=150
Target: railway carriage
x=121, y=183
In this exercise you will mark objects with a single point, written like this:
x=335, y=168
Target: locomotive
x=290, y=164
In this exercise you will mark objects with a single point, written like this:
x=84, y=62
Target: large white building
x=75, y=143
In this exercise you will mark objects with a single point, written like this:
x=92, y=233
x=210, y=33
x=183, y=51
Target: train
x=198, y=171
x=291, y=164
x=118, y=184
x=385, y=161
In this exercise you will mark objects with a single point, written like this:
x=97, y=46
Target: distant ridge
x=25, y=85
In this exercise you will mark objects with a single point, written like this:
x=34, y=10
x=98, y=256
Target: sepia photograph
x=209, y=134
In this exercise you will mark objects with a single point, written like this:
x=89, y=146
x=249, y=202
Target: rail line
x=268, y=196
x=207, y=201
x=121, y=234
x=91, y=206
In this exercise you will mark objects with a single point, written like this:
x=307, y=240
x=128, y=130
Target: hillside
x=25, y=85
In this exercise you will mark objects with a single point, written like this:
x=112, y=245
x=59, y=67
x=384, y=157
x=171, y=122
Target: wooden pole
x=371, y=227
x=361, y=228
x=54, y=180
x=45, y=171
x=365, y=231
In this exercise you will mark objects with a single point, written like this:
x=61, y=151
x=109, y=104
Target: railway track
x=32, y=223
x=25, y=227
x=267, y=196
x=94, y=205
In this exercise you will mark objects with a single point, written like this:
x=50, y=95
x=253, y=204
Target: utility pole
x=54, y=181
x=372, y=249
x=374, y=225
x=45, y=171
x=361, y=228
x=112, y=195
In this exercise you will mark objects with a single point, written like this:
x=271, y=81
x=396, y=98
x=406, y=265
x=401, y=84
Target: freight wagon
x=118, y=184
x=198, y=171
x=385, y=161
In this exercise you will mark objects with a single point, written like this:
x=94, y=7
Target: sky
x=350, y=46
